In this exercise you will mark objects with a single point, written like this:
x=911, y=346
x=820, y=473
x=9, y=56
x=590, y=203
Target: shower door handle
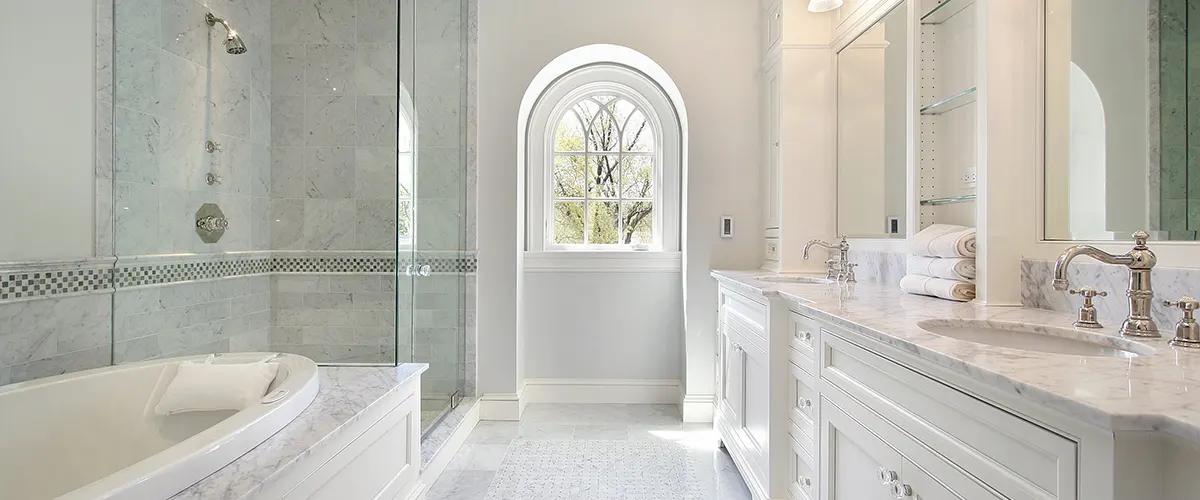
x=423, y=270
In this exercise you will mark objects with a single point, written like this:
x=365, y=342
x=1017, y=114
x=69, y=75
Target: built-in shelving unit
x=945, y=10
x=946, y=77
x=950, y=103
x=949, y=200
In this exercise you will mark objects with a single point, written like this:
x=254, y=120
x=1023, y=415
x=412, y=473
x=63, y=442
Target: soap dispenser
x=1187, y=332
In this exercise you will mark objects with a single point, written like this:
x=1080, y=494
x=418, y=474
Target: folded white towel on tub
x=944, y=240
x=961, y=268
x=209, y=386
x=938, y=287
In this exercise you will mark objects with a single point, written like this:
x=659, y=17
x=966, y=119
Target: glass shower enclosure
x=290, y=176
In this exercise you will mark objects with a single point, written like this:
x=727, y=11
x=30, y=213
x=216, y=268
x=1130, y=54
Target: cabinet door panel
x=854, y=459
x=755, y=386
x=731, y=389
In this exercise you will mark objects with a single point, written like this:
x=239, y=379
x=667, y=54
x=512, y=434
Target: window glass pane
x=637, y=176
x=586, y=110
x=622, y=110
x=604, y=221
x=569, y=136
x=569, y=174
x=568, y=222
x=603, y=176
x=638, y=134
x=603, y=134
x=638, y=218
x=404, y=175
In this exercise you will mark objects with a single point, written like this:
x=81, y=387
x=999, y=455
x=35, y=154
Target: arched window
x=604, y=164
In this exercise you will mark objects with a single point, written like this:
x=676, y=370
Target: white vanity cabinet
x=810, y=411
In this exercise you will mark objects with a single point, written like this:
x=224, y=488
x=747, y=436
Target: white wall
x=710, y=49
x=603, y=325
x=46, y=139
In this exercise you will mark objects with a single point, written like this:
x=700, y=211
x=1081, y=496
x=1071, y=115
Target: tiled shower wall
x=65, y=324
x=1179, y=192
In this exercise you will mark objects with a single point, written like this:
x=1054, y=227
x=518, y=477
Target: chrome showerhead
x=233, y=42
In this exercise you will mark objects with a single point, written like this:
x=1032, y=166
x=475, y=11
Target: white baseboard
x=500, y=406
x=698, y=408
x=438, y=463
x=611, y=391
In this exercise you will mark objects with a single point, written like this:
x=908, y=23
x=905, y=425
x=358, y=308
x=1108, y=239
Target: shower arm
x=214, y=20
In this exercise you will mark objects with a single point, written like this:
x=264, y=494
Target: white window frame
x=553, y=104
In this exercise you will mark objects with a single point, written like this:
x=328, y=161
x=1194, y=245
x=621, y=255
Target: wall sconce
x=823, y=5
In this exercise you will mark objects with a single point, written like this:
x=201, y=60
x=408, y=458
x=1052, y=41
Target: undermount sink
x=792, y=278
x=1040, y=338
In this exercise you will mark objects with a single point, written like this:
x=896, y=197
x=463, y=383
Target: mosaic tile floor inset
x=597, y=470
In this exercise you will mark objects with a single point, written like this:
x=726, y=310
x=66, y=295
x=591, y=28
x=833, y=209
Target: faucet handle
x=1088, y=293
x=1087, y=313
x=1188, y=305
x=1187, y=331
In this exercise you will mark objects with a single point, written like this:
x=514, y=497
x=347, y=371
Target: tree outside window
x=603, y=175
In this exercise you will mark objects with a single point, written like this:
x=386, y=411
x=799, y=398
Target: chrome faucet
x=835, y=269
x=1140, y=261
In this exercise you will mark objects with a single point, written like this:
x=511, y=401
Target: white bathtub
x=93, y=435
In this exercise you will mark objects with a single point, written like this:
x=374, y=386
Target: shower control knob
x=212, y=223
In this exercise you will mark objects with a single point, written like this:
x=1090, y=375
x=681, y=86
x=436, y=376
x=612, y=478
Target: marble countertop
x=345, y=393
x=1158, y=392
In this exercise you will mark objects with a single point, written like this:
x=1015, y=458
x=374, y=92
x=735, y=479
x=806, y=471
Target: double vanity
x=837, y=391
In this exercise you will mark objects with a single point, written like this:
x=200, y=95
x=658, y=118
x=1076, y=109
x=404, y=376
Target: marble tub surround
x=51, y=336
x=1145, y=393
x=1170, y=283
x=346, y=393
x=196, y=317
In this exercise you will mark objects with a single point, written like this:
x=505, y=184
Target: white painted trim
x=543, y=262
x=610, y=391
x=438, y=463
x=697, y=408
x=856, y=24
x=500, y=406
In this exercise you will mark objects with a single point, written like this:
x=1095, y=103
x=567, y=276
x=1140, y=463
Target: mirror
x=872, y=143
x=1117, y=91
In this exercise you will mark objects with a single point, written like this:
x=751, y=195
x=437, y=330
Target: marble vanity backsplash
x=879, y=267
x=1170, y=283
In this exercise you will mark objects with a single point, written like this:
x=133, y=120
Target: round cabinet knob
x=804, y=403
x=806, y=336
x=901, y=491
x=804, y=482
x=887, y=476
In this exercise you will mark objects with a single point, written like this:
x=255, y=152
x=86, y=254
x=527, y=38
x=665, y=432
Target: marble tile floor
x=591, y=452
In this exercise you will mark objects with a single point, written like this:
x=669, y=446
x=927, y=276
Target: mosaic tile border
x=32, y=280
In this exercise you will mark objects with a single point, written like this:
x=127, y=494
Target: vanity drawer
x=802, y=476
x=802, y=337
x=1018, y=458
x=802, y=408
x=735, y=307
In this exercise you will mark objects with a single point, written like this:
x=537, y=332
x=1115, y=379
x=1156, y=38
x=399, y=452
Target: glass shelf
x=950, y=103
x=949, y=200
x=945, y=10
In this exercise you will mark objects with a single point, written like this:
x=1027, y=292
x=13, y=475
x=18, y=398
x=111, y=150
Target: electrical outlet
x=970, y=178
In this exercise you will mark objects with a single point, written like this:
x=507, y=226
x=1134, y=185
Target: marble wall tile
x=378, y=21
x=287, y=224
x=375, y=174
x=51, y=336
x=329, y=120
x=375, y=227
x=287, y=121
x=136, y=139
x=330, y=69
x=313, y=21
x=329, y=224
x=287, y=69
x=287, y=172
x=329, y=172
x=375, y=69
x=232, y=107
x=135, y=224
x=184, y=31
x=879, y=267
x=139, y=19
x=376, y=120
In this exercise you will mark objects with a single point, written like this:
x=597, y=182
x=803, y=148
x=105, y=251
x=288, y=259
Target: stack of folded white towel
x=942, y=263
